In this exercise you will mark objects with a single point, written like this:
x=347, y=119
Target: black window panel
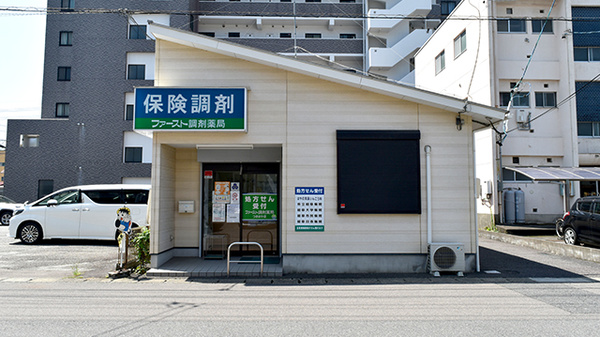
x=580, y=54
x=312, y=35
x=378, y=172
x=67, y=5
x=45, y=187
x=133, y=154
x=347, y=36
x=135, y=196
x=210, y=34
x=584, y=129
x=234, y=34
x=447, y=7
x=137, y=32
x=285, y=35
x=536, y=26
x=105, y=196
x=129, y=112
x=64, y=73
x=62, y=109
x=65, y=39
x=136, y=72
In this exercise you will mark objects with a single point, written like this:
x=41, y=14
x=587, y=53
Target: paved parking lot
x=55, y=258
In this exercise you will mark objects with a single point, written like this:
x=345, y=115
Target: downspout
x=428, y=192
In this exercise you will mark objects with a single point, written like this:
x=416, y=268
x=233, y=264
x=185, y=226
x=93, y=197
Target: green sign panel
x=259, y=206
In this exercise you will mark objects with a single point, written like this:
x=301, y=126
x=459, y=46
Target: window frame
x=63, y=74
x=541, y=99
x=69, y=38
x=440, y=62
x=129, y=157
x=594, y=129
x=67, y=5
x=509, y=25
x=129, y=111
x=134, y=69
x=313, y=35
x=549, y=29
x=138, y=35
x=517, y=98
x=64, y=108
x=461, y=39
x=349, y=36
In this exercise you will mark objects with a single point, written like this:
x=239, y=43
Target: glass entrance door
x=240, y=204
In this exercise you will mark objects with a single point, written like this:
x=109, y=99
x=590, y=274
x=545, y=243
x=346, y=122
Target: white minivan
x=80, y=212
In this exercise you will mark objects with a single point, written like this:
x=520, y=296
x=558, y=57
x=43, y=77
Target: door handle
x=75, y=209
x=86, y=209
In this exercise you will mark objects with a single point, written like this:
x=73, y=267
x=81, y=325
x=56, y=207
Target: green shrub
x=141, y=242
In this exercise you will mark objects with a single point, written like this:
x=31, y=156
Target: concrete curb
x=557, y=248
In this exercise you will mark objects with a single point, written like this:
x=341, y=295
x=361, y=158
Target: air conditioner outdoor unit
x=444, y=257
x=522, y=116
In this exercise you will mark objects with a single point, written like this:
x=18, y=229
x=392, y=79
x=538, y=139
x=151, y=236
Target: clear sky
x=21, y=62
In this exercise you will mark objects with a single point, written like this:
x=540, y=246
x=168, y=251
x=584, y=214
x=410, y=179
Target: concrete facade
x=536, y=134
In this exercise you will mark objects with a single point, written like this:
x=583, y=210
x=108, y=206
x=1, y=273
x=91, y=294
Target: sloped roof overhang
x=559, y=173
x=483, y=115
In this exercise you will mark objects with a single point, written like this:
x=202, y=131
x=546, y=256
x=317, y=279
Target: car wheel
x=570, y=236
x=5, y=218
x=559, y=228
x=30, y=233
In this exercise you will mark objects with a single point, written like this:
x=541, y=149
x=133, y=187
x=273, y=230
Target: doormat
x=266, y=260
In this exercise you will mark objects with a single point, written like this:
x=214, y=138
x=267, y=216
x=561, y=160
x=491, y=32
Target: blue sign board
x=202, y=109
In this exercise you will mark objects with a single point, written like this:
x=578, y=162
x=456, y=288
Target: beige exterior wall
x=301, y=114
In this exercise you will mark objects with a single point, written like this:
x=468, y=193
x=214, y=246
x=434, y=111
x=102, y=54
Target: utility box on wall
x=186, y=206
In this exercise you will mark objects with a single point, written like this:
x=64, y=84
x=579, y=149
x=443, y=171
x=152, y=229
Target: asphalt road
x=520, y=292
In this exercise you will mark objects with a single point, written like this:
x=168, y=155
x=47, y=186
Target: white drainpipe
x=428, y=174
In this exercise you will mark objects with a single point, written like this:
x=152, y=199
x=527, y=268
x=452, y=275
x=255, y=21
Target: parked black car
x=581, y=224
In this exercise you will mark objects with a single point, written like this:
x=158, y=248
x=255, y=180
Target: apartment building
x=539, y=61
x=98, y=51
x=94, y=57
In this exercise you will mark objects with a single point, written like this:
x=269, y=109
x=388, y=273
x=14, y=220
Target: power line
x=60, y=11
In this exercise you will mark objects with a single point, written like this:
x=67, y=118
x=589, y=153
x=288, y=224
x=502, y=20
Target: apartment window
x=587, y=54
x=45, y=187
x=210, y=34
x=447, y=7
x=510, y=175
x=62, y=109
x=588, y=129
x=133, y=154
x=64, y=74
x=545, y=99
x=129, y=112
x=136, y=72
x=511, y=25
x=347, y=1
x=520, y=99
x=312, y=0
x=65, y=39
x=66, y=5
x=460, y=44
x=312, y=35
x=440, y=62
x=285, y=35
x=234, y=34
x=285, y=0
x=137, y=32
x=29, y=141
x=536, y=26
x=347, y=36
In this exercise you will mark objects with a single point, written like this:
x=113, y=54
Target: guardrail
x=245, y=243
